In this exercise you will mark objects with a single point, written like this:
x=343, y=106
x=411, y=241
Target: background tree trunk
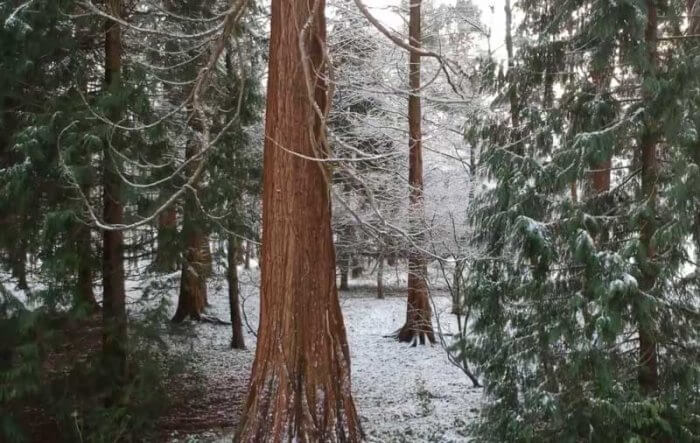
x=457, y=301
x=512, y=89
x=113, y=303
x=166, y=256
x=237, y=341
x=195, y=261
x=380, y=276
x=193, y=285
x=344, y=275
x=648, y=371
x=300, y=383
x=418, y=324
x=85, y=293
x=248, y=252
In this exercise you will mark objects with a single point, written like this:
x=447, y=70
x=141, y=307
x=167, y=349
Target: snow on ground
x=402, y=393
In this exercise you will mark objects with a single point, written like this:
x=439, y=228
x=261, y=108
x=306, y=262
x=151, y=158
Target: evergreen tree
x=586, y=326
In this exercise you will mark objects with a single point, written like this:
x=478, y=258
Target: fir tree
x=585, y=322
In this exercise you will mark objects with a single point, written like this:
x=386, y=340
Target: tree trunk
x=166, y=256
x=357, y=268
x=457, y=302
x=380, y=276
x=648, y=371
x=300, y=384
x=85, y=293
x=19, y=263
x=248, y=252
x=196, y=261
x=343, y=275
x=237, y=341
x=207, y=265
x=418, y=324
x=113, y=304
x=512, y=89
x=193, y=284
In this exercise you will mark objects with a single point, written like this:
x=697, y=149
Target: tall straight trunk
x=247, y=254
x=113, y=304
x=648, y=370
x=237, y=341
x=85, y=293
x=457, y=299
x=344, y=274
x=380, y=275
x=512, y=90
x=344, y=257
x=300, y=384
x=207, y=265
x=356, y=265
x=166, y=256
x=601, y=171
x=195, y=267
x=418, y=324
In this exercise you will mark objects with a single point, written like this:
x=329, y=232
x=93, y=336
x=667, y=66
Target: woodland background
x=336, y=221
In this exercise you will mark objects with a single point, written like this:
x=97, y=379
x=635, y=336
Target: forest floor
x=402, y=393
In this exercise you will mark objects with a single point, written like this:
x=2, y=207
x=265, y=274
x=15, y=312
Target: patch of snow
x=402, y=393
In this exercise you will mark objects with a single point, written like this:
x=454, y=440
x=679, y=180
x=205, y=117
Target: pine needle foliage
x=559, y=296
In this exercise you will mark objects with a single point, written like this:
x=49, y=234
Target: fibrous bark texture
x=300, y=383
x=418, y=326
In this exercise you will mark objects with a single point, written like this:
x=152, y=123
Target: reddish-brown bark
x=418, y=324
x=300, y=384
x=196, y=259
x=113, y=302
x=648, y=370
x=193, y=283
x=237, y=340
x=601, y=171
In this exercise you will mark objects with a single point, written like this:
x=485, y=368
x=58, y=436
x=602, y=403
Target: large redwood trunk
x=418, y=324
x=300, y=384
x=648, y=370
x=113, y=304
x=237, y=341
